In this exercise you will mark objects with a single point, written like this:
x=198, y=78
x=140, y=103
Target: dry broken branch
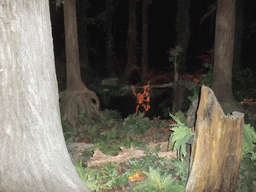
x=100, y=158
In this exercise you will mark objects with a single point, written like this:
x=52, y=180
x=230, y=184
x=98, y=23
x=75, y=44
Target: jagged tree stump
x=217, y=147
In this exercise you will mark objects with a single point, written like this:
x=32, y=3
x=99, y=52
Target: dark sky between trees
x=162, y=33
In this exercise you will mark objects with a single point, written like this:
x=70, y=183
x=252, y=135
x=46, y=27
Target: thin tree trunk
x=223, y=55
x=110, y=54
x=132, y=40
x=71, y=44
x=77, y=96
x=144, y=55
x=84, y=57
x=183, y=29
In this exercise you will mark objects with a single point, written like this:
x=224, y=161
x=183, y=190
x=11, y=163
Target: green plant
x=112, y=117
x=180, y=136
x=68, y=130
x=157, y=182
x=247, y=175
x=174, y=53
x=90, y=176
x=181, y=169
x=194, y=91
x=180, y=117
x=135, y=124
x=156, y=123
x=206, y=79
x=249, y=141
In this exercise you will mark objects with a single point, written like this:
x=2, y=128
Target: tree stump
x=217, y=147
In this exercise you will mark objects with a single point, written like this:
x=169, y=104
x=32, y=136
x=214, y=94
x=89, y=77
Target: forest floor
x=140, y=131
x=132, y=173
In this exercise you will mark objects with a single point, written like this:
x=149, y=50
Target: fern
x=206, y=79
x=135, y=124
x=249, y=140
x=181, y=169
x=157, y=182
x=180, y=137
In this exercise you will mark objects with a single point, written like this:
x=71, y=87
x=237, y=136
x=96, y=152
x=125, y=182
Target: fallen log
x=99, y=158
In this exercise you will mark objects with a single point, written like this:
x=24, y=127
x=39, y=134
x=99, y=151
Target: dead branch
x=212, y=8
x=100, y=158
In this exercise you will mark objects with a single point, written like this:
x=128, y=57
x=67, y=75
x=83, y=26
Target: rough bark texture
x=33, y=153
x=223, y=55
x=217, y=147
x=77, y=96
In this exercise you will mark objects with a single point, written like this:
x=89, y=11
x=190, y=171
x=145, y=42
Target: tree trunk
x=33, y=153
x=217, y=147
x=77, y=94
x=183, y=30
x=223, y=55
x=144, y=55
x=110, y=55
x=132, y=39
x=84, y=56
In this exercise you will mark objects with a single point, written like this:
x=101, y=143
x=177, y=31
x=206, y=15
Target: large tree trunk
x=144, y=55
x=33, y=153
x=77, y=94
x=217, y=147
x=223, y=55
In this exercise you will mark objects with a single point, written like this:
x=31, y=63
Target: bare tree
x=77, y=94
x=33, y=153
x=223, y=55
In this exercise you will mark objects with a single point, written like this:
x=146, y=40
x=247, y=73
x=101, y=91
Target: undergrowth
x=149, y=173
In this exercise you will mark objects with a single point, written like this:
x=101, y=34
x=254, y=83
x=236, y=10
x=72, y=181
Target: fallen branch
x=99, y=158
x=186, y=83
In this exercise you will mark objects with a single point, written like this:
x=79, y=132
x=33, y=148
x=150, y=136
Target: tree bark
x=183, y=30
x=132, y=39
x=110, y=54
x=84, y=57
x=223, y=55
x=77, y=96
x=71, y=42
x=33, y=153
x=144, y=55
x=217, y=147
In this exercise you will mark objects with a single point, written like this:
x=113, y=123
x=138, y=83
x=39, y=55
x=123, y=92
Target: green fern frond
x=180, y=137
x=157, y=182
x=249, y=140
